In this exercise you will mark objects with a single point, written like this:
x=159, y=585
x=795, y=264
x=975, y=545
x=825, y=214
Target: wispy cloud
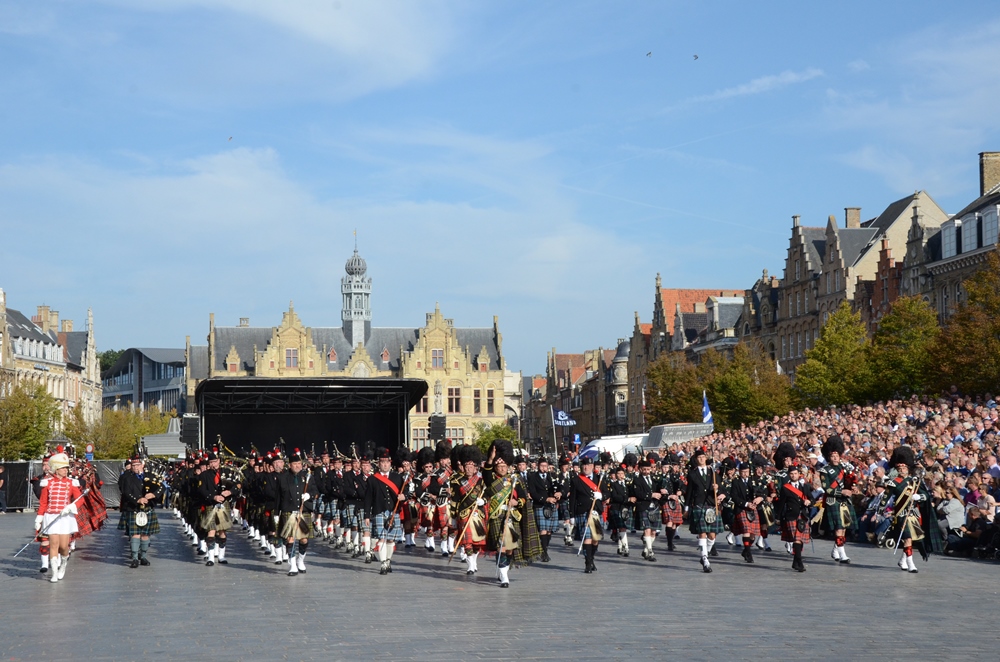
x=760, y=85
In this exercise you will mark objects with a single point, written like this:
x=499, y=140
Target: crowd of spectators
x=956, y=441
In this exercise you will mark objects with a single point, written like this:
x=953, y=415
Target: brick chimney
x=43, y=318
x=989, y=171
x=852, y=217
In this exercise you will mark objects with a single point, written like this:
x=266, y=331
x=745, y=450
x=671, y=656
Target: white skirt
x=64, y=524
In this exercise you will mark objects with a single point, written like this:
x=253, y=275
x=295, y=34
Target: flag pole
x=555, y=446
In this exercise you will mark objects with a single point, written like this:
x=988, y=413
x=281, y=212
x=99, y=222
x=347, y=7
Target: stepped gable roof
x=815, y=242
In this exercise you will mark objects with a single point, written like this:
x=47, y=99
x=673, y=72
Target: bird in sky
x=649, y=54
x=231, y=138
x=696, y=57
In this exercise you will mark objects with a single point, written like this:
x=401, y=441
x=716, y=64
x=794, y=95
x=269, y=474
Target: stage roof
x=313, y=395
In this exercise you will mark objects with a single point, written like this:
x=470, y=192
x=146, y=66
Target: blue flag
x=561, y=418
x=706, y=411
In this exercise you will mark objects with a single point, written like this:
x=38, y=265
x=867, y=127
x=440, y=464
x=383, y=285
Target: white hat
x=58, y=461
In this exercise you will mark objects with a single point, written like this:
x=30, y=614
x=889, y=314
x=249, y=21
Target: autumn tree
x=836, y=369
x=116, y=433
x=967, y=352
x=899, y=355
x=28, y=417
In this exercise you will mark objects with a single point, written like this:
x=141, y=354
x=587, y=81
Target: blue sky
x=539, y=161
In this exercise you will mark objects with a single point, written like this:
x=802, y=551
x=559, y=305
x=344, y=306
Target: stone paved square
x=427, y=610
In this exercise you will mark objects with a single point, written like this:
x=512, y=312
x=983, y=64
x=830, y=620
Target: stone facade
x=465, y=370
x=41, y=351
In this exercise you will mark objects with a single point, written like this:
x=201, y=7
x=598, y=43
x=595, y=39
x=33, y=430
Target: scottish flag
x=706, y=411
x=561, y=418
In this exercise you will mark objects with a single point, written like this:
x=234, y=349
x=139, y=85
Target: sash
x=385, y=480
x=796, y=491
x=836, y=481
x=589, y=483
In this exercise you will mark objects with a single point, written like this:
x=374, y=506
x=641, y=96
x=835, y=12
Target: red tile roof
x=688, y=298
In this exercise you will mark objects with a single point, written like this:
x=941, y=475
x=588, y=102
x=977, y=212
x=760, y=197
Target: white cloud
x=761, y=85
x=858, y=65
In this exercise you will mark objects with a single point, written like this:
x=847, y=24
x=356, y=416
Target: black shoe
x=368, y=557
x=470, y=572
x=706, y=568
x=625, y=553
x=389, y=566
x=145, y=561
x=651, y=558
x=670, y=546
x=383, y=570
x=545, y=557
x=713, y=551
x=221, y=562
x=210, y=563
x=747, y=555
x=134, y=563
x=587, y=570
x=43, y=570
x=645, y=553
x=845, y=561
x=505, y=585
x=278, y=562
x=292, y=574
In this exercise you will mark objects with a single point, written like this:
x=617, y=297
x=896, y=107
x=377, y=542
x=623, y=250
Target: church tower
x=356, y=288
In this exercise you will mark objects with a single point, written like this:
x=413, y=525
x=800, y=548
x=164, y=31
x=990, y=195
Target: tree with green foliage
x=28, y=417
x=748, y=389
x=484, y=434
x=108, y=357
x=742, y=388
x=967, y=352
x=115, y=435
x=836, y=369
x=899, y=355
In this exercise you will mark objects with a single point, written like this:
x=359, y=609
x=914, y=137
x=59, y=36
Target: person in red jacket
x=57, y=513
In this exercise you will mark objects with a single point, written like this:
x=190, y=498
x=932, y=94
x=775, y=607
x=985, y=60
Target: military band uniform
x=297, y=496
x=586, y=501
x=793, y=515
x=645, y=496
x=541, y=487
x=701, y=498
x=382, y=506
x=619, y=510
x=746, y=522
x=134, y=488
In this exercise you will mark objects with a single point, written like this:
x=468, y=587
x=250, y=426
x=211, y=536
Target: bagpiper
x=704, y=498
x=909, y=491
x=297, y=496
x=840, y=514
x=586, y=502
x=746, y=522
x=619, y=509
x=762, y=486
x=468, y=503
x=545, y=497
x=511, y=532
x=139, y=492
x=672, y=488
x=384, y=496
x=217, y=493
x=793, y=513
x=784, y=457
x=646, y=497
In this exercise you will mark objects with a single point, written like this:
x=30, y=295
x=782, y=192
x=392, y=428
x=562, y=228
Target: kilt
x=347, y=515
x=790, y=531
x=475, y=534
x=60, y=524
x=217, y=518
x=564, y=511
x=128, y=525
x=547, y=523
x=395, y=532
x=742, y=525
x=292, y=526
x=698, y=523
x=649, y=519
x=913, y=530
x=673, y=516
x=619, y=517
x=583, y=527
x=835, y=518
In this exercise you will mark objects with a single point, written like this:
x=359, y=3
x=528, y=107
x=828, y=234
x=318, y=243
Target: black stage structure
x=258, y=411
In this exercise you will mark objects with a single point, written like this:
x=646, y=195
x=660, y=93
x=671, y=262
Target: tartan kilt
x=475, y=534
x=619, y=517
x=217, y=518
x=547, y=523
x=790, y=531
x=581, y=525
x=834, y=518
x=564, y=511
x=912, y=526
x=347, y=515
x=742, y=525
x=674, y=516
x=128, y=525
x=699, y=525
x=292, y=526
x=650, y=519
x=395, y=532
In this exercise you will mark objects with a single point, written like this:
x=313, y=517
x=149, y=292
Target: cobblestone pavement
x=428, y=610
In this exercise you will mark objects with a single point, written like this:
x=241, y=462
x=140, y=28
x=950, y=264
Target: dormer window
x=385, y=355
x=332, y=356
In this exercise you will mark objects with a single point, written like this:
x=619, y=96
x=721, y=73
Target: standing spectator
x=3, y=491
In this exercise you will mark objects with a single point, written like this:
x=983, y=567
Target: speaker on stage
x=436, y=431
